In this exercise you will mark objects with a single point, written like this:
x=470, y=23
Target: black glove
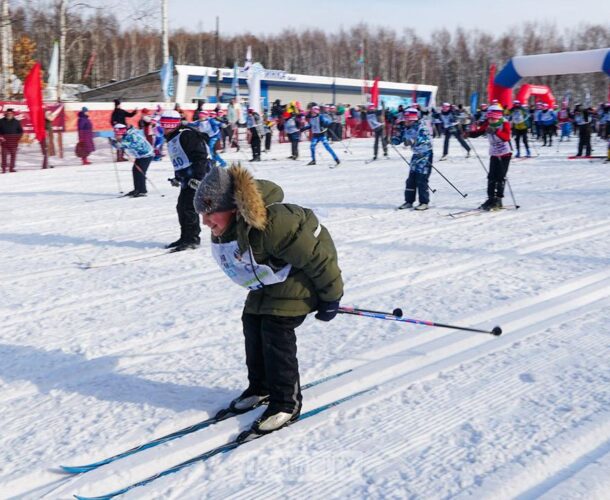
x=174, y=182
x=194, y=184
x=327, y=310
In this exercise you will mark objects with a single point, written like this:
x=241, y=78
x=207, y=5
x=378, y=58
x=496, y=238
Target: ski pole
x=116, y=170
x=510, y=189
x=409, y=164
x=496, y=330
x=396, y=312
x=148, y=179
x=345, y=148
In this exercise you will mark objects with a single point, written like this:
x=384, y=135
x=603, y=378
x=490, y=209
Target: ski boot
x=337, y=162
x=174, y=244
x=312, y=162
x=487, y=204
x=421, y=206
x=497, y=204
x=248, y=400
x=405, y=205
x=273, y=419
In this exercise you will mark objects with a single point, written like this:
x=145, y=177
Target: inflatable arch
x=561, y=63
x=540, y=92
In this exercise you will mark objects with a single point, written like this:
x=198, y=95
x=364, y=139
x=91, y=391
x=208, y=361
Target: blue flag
x=235, y=82
x=167, y=78
x=474, y=101
x=203, y=85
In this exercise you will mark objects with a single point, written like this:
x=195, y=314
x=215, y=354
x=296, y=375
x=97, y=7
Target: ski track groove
x=419, y=438
x=578, y=295
x=390, y=280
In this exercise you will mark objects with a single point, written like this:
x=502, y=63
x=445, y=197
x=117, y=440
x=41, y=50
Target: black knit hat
x=215, y=192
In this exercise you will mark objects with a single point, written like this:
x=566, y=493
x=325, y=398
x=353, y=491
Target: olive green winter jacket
x=279, y=234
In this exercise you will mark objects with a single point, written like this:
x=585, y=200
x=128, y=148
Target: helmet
x=370, y=107
x=483, y=106
x=517, y=102
x=495, y=112
x=170, y=119
x=445, y=106
x=120, y=130
x=411, y=115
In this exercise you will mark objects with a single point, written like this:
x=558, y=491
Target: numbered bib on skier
x=177, y=154
x=243, y=269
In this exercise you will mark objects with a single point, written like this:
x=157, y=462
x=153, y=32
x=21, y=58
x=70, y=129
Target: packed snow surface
x=108, y=342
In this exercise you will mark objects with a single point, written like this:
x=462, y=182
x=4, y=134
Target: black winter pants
x=519, y=136
x=584, y=140
x=458, y=135
x=498, y=168
x=255, y=144
x=384, y=142
x=188, y=218
x=138, y=171
x=271, y=357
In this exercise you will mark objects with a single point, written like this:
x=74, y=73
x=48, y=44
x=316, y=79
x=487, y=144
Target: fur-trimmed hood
x=252, y=196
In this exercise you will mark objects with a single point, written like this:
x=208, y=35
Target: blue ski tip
x=78, y=469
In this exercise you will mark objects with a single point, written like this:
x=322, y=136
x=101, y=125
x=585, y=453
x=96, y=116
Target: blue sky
x=272, y=16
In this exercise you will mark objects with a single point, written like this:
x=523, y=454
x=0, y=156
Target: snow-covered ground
x=95, y=361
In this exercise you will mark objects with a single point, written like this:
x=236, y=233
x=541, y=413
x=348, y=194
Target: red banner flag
x=32, y=91
x=375, y=93
x=490, y=84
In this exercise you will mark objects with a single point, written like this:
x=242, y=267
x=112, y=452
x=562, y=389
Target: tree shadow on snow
x=61, y=240
x=57, y=370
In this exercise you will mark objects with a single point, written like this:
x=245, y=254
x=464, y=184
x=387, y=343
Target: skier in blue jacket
x=210, y=126
x=319, y=123
x=134, y=142
x=417, y=136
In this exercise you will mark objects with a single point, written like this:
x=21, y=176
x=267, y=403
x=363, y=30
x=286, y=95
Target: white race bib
x=243, y=269
x=176, y=153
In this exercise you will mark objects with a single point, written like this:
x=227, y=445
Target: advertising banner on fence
x=22, y=113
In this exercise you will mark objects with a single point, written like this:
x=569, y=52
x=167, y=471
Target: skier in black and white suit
x=189, y=157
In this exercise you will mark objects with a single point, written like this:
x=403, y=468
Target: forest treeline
x=454, y=59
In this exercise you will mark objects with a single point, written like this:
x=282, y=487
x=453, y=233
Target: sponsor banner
x=22, y=113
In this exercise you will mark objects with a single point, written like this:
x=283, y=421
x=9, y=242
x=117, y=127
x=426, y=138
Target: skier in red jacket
x=497, y=129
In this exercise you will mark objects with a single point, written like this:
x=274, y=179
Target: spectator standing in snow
x=417, y=136
x=10, y=135
x=119, y=116
x=288, y=262
x=497, y=129
x=85, y=145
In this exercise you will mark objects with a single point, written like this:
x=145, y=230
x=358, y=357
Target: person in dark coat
x=10, y=135
x=119, y=116
x=287, y=260
x=85, y=144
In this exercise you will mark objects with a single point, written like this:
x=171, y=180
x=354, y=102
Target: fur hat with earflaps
x=232, y=188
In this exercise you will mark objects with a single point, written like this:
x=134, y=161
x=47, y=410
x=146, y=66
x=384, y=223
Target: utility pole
x=164, y=32
x=216, y=60
x=62, y=48
x=7, y=50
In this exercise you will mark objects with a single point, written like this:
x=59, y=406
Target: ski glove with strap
x=327, y=310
